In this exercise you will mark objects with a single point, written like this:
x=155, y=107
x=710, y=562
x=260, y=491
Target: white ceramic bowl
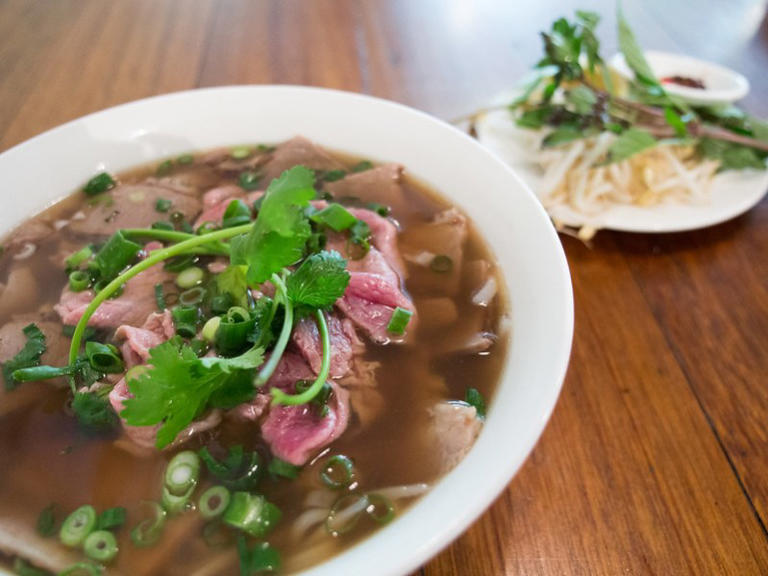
x=48, y=167
x=722, y=85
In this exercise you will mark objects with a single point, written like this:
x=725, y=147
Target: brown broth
x=44, y=458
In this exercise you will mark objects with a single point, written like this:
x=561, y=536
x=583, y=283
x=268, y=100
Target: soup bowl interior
x=50, y=166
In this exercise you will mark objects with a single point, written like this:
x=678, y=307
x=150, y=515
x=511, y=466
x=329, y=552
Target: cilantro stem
x=285, y=333
x=280, y=397
x=154, y=257
x=173, y=236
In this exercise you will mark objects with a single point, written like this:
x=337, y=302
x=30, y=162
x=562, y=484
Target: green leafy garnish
x=179, y=386
x=629, y=143
x=27, y=357
x=281, y=230
x=474, y=398
x=319, y=281
x=114, y=256
x=94, y=413
x=111, y=518
x=98, y=184
x=335, y=216
x=282, y=469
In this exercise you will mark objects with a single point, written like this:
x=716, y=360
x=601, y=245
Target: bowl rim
x=494, y=483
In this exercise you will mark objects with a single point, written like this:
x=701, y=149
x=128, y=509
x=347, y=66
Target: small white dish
x=512, y=221
x=721, y=85
x=732, y=193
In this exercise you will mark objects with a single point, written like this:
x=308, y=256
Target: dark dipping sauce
x=402, y=430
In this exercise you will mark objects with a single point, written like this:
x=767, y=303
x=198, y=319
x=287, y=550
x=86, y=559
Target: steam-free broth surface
x=392, y=436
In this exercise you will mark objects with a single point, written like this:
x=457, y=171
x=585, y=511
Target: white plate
x=732, y=193
x=511, y=219
x=721, y=85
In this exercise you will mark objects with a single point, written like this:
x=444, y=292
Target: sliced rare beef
x=449, y=231
x=344, y=344
x=132, y=307
x=382, y=185
x=454, y=426
x=296, y=433
x=297, y=151
x=133, y=206
x=137, y=342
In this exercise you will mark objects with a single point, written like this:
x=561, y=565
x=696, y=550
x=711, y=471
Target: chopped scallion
x=249, y=180
x=163, y=205
x=283, y=469
x=210, y=328
x=333, y=175
x=236, y=214
x=190, y=277
x=252, y=514
x=162, y=225
x=159, y=297
x=240, y=152
x=98, y=184
x=213, y=502
x=148, y=531
x=380, y=508
x=77, y=526
x=79, y=257
x=111, y=518
x=79, y=280
x=338, y=472
x=193, y=296
x=474, y=398
x=335, y=216
x=362, y=166
x=441, y=264
x=81, y=569
x=185, y=159
x=104, y=357
x=101, y=546
x=399, y=320
x=46, y=521
x=164, y=168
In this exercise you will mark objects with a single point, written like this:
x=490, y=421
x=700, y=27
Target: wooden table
x=656, y=458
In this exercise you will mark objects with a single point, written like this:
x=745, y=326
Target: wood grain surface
x=656, y=458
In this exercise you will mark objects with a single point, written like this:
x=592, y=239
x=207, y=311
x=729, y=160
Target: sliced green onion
x=335, y=216
x=190, y=277
x=240, y=152
x=210, y=328
x=362, y=166
x=338, y=472
x=252, y=514
x=182, y=473
x=265, y=148
x=79, y=257
x=193, y=296
x=111, y=518
x=115, y=256
x=399, y=320
x=333, y=175
x=98, y=184
x=185, y=159
x=162, y=225
x=380, y=209
x=159, y=297
x=206, y=228
x=474, y=398
x=100, y=545
x=81, y=569
x=23, y=568
x=77, y=526
x=38, y=373
x=199, y=347
x=46, y=521
x=213, y=502
x=380, y=508
x=236, y=214
x=185, y=318
x=233, y=331
x=441, y=264
x=281, y=468
x=164, y=167
x=249, y=180
x=258, y=559
x=104, y=357
x=179, y=263
x=79, y=280
x=221, y=303
x=163, y=205
x=148, y=531
x=177, y=503
x=345, y=514
x=238, y=471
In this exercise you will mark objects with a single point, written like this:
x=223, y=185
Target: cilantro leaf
x=179, y=386
x=94, y=413
x=281, y=229
x=360, y=235
x=27, y=357
x=319, y=281
x=233, y=281
x=629, y=143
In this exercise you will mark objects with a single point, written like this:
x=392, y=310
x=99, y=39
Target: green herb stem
x=155, y=257
x=174, y=236
x=280, y=397
x=285, y=333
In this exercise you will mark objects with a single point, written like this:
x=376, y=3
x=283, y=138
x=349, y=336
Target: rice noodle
x=423, y=258
x=59, y=224
x=26, y=251
x=405, y=491
x=486, y=293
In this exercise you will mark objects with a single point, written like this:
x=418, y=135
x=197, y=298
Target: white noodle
x=307, y=520
x=26, y=251
x=484, y=296
x=399, y=492
x=423, y=258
